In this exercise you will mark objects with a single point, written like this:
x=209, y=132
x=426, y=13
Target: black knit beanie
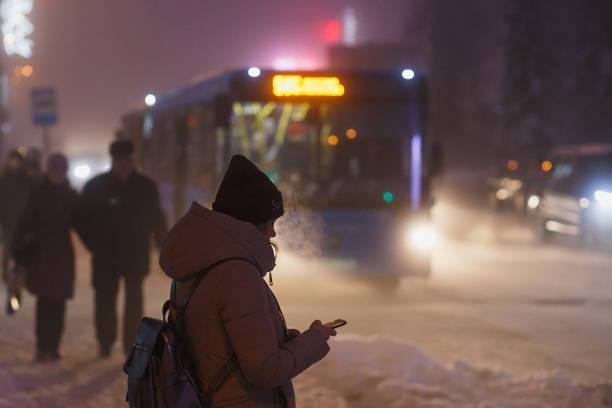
x=247, y=194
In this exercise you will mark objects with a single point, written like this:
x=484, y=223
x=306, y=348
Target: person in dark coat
x=46, y=220
x=15, y=188
x=233, y=313
x=117, y=215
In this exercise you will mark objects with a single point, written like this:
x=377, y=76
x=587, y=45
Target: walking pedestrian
x=42, y=245
x=15, y=189
x=233, y=316
x=117, y=215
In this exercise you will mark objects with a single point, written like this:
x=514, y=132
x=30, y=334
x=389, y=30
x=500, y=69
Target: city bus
x=349, y=150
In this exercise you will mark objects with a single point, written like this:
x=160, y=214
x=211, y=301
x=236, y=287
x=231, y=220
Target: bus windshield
x=338, y=155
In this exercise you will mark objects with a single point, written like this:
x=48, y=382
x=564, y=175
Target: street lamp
x=408, y=74
x=150, y=100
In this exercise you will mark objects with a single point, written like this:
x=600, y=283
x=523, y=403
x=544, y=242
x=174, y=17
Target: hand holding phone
x=336, y=323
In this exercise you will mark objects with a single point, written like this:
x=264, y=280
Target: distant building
x=374, y=56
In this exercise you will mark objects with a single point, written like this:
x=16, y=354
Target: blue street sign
x=44, y=112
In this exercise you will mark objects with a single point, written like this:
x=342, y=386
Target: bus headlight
x=603, y=198
x=420, y=237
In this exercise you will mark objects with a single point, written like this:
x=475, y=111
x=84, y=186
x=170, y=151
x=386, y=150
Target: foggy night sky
x=104, y=56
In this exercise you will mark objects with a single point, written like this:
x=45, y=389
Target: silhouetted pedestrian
x=233, y=318
x=43, y=247
x=15, y=189
x=117, y=215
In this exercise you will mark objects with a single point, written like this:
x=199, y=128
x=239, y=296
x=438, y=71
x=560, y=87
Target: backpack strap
x=231, y=364
x=199, y=276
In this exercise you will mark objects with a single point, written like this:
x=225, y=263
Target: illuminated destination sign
x=299, y=85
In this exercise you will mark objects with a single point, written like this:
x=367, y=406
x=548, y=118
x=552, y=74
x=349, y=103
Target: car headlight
x=533, y=202
x=420, y=237
x=603, y=198
x=511, y=184
x=502, y=194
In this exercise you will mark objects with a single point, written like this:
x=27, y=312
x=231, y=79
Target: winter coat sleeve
x=246, y=316
x=26, y=224
x=83, y=215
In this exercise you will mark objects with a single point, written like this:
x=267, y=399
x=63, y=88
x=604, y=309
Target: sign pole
x=44, y=114
x=46, y=142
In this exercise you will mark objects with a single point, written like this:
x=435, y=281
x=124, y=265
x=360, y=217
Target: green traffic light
x=388, y=197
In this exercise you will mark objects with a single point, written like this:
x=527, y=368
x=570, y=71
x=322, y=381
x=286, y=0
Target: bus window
x=341, y=152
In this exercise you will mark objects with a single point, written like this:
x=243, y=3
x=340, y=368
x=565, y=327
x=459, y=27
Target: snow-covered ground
x=503, y=322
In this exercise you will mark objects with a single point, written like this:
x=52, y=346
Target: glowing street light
x=27, y=71
x=408, y=74
x=254, y=72
x=150, y=100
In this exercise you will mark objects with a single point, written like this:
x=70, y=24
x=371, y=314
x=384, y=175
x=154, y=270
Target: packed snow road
x=502, y=322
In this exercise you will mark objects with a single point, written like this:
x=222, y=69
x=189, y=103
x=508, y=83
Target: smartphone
x=336, y=323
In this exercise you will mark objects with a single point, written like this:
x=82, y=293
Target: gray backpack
x=159, y=366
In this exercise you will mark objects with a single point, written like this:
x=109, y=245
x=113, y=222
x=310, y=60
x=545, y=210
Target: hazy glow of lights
x=604, y=198
x=533, y=202
x=15, y=305
x=332, y=140
x=547, y=166
x=388, y=197
x=81, y=171
x=555, y=226
x=349, y=27
x=502, y=194
x=254, y=72
x=27, y=71
x=511, y=184
x=291, y=64
x=584, y=202
x=298, y=85
x=408, y=73
x=416, y=170
x=16, y=27
x=420, y=237
x=351, y=133
x=308, y=65
x=332, y=32
x=512, y=165
x=284, y=63
x=150, y=100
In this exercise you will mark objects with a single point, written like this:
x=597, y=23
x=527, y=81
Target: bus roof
x=299, y=86
x=582, y=150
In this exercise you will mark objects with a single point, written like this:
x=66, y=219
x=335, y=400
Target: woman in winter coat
x=233, y=314
x=42, y=241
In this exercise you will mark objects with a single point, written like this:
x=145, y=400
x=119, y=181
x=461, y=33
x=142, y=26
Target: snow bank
x=384, y=372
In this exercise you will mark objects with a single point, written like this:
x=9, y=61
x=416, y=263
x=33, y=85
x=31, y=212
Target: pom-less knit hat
x=57, y=162
x=247, y=194
x=121, y=148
